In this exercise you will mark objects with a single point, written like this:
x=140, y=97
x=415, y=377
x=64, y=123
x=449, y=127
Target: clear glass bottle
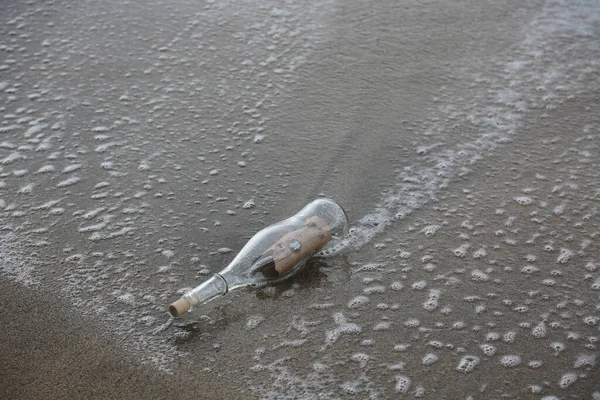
x=274, y=253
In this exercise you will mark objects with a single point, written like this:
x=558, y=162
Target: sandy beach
x=141, y=145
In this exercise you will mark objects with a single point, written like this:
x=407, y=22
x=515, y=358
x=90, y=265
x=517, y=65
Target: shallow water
x=142, y=145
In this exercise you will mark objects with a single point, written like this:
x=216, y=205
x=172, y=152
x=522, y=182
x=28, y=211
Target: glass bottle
x=274, y=253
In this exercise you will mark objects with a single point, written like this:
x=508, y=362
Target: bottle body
x=276, y=252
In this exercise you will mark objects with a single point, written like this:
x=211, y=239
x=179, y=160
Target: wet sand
x=142, y=145
x=49, y=351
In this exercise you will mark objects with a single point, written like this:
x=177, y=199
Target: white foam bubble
x=361, y=358
x=69, y=182
x=430, y=230
x=488, y=349
x=567, y=380
x=564, y=256
x=557, y=347
x=510, y=360
x=479, y=276
x=377, y=289
x=358, y=302
x=429, y=358
x=585, y=360
x=524, y=200
x=71, y=168
x=253, y=321
x=401, y=347
x=419, y=285
x=467, y=363
x=403, y=383
x=15, y=261
x=462, y=250
x=412, y=323
x=432, y=301
x=540, y=330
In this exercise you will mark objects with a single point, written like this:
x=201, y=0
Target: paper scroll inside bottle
x=294, y=247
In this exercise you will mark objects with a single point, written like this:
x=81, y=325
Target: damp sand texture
x=141, y=146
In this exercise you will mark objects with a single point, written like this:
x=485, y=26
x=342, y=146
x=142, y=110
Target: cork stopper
x=179, y=307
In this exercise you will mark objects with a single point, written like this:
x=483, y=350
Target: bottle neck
x=215, y=287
